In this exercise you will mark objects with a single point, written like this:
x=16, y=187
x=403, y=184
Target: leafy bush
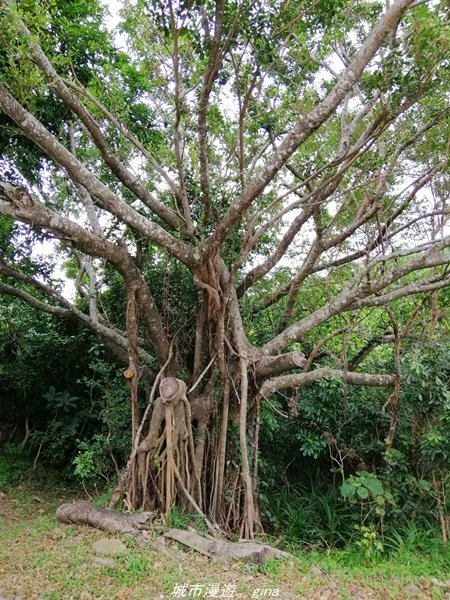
x=368, y=491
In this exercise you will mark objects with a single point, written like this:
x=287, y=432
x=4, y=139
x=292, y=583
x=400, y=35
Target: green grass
x=42, y=559
x=402, y=564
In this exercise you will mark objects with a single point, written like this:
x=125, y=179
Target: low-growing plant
x=369, y=543
x=181, y=519
x=311, y=516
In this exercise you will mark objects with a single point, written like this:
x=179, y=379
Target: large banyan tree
x=213, y=166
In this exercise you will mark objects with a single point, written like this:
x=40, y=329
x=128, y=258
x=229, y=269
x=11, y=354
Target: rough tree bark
x=85, y=513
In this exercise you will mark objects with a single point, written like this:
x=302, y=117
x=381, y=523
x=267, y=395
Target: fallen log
x=85, y=513
x=221, y=550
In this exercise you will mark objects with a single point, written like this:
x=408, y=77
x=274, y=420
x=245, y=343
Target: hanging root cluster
x=183, y=460
x=168, y=465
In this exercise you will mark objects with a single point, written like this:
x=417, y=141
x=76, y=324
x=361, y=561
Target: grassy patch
x=42, y=559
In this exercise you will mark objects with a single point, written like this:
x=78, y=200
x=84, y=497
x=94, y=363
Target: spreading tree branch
x=106, y=198
x=306, y=126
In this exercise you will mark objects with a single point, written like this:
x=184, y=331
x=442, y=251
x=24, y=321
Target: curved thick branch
x=298, y=379
x=21, y=206
x=407, y=290
x=115, y=339
x=107, y=199
x=271, y=365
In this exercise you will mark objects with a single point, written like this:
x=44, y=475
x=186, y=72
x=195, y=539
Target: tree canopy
x=234, y=192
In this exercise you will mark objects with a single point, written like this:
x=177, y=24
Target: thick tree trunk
x=181, y=460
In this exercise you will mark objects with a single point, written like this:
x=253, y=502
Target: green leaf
x=347, y=490
x=362, y=493
x=374, y=486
